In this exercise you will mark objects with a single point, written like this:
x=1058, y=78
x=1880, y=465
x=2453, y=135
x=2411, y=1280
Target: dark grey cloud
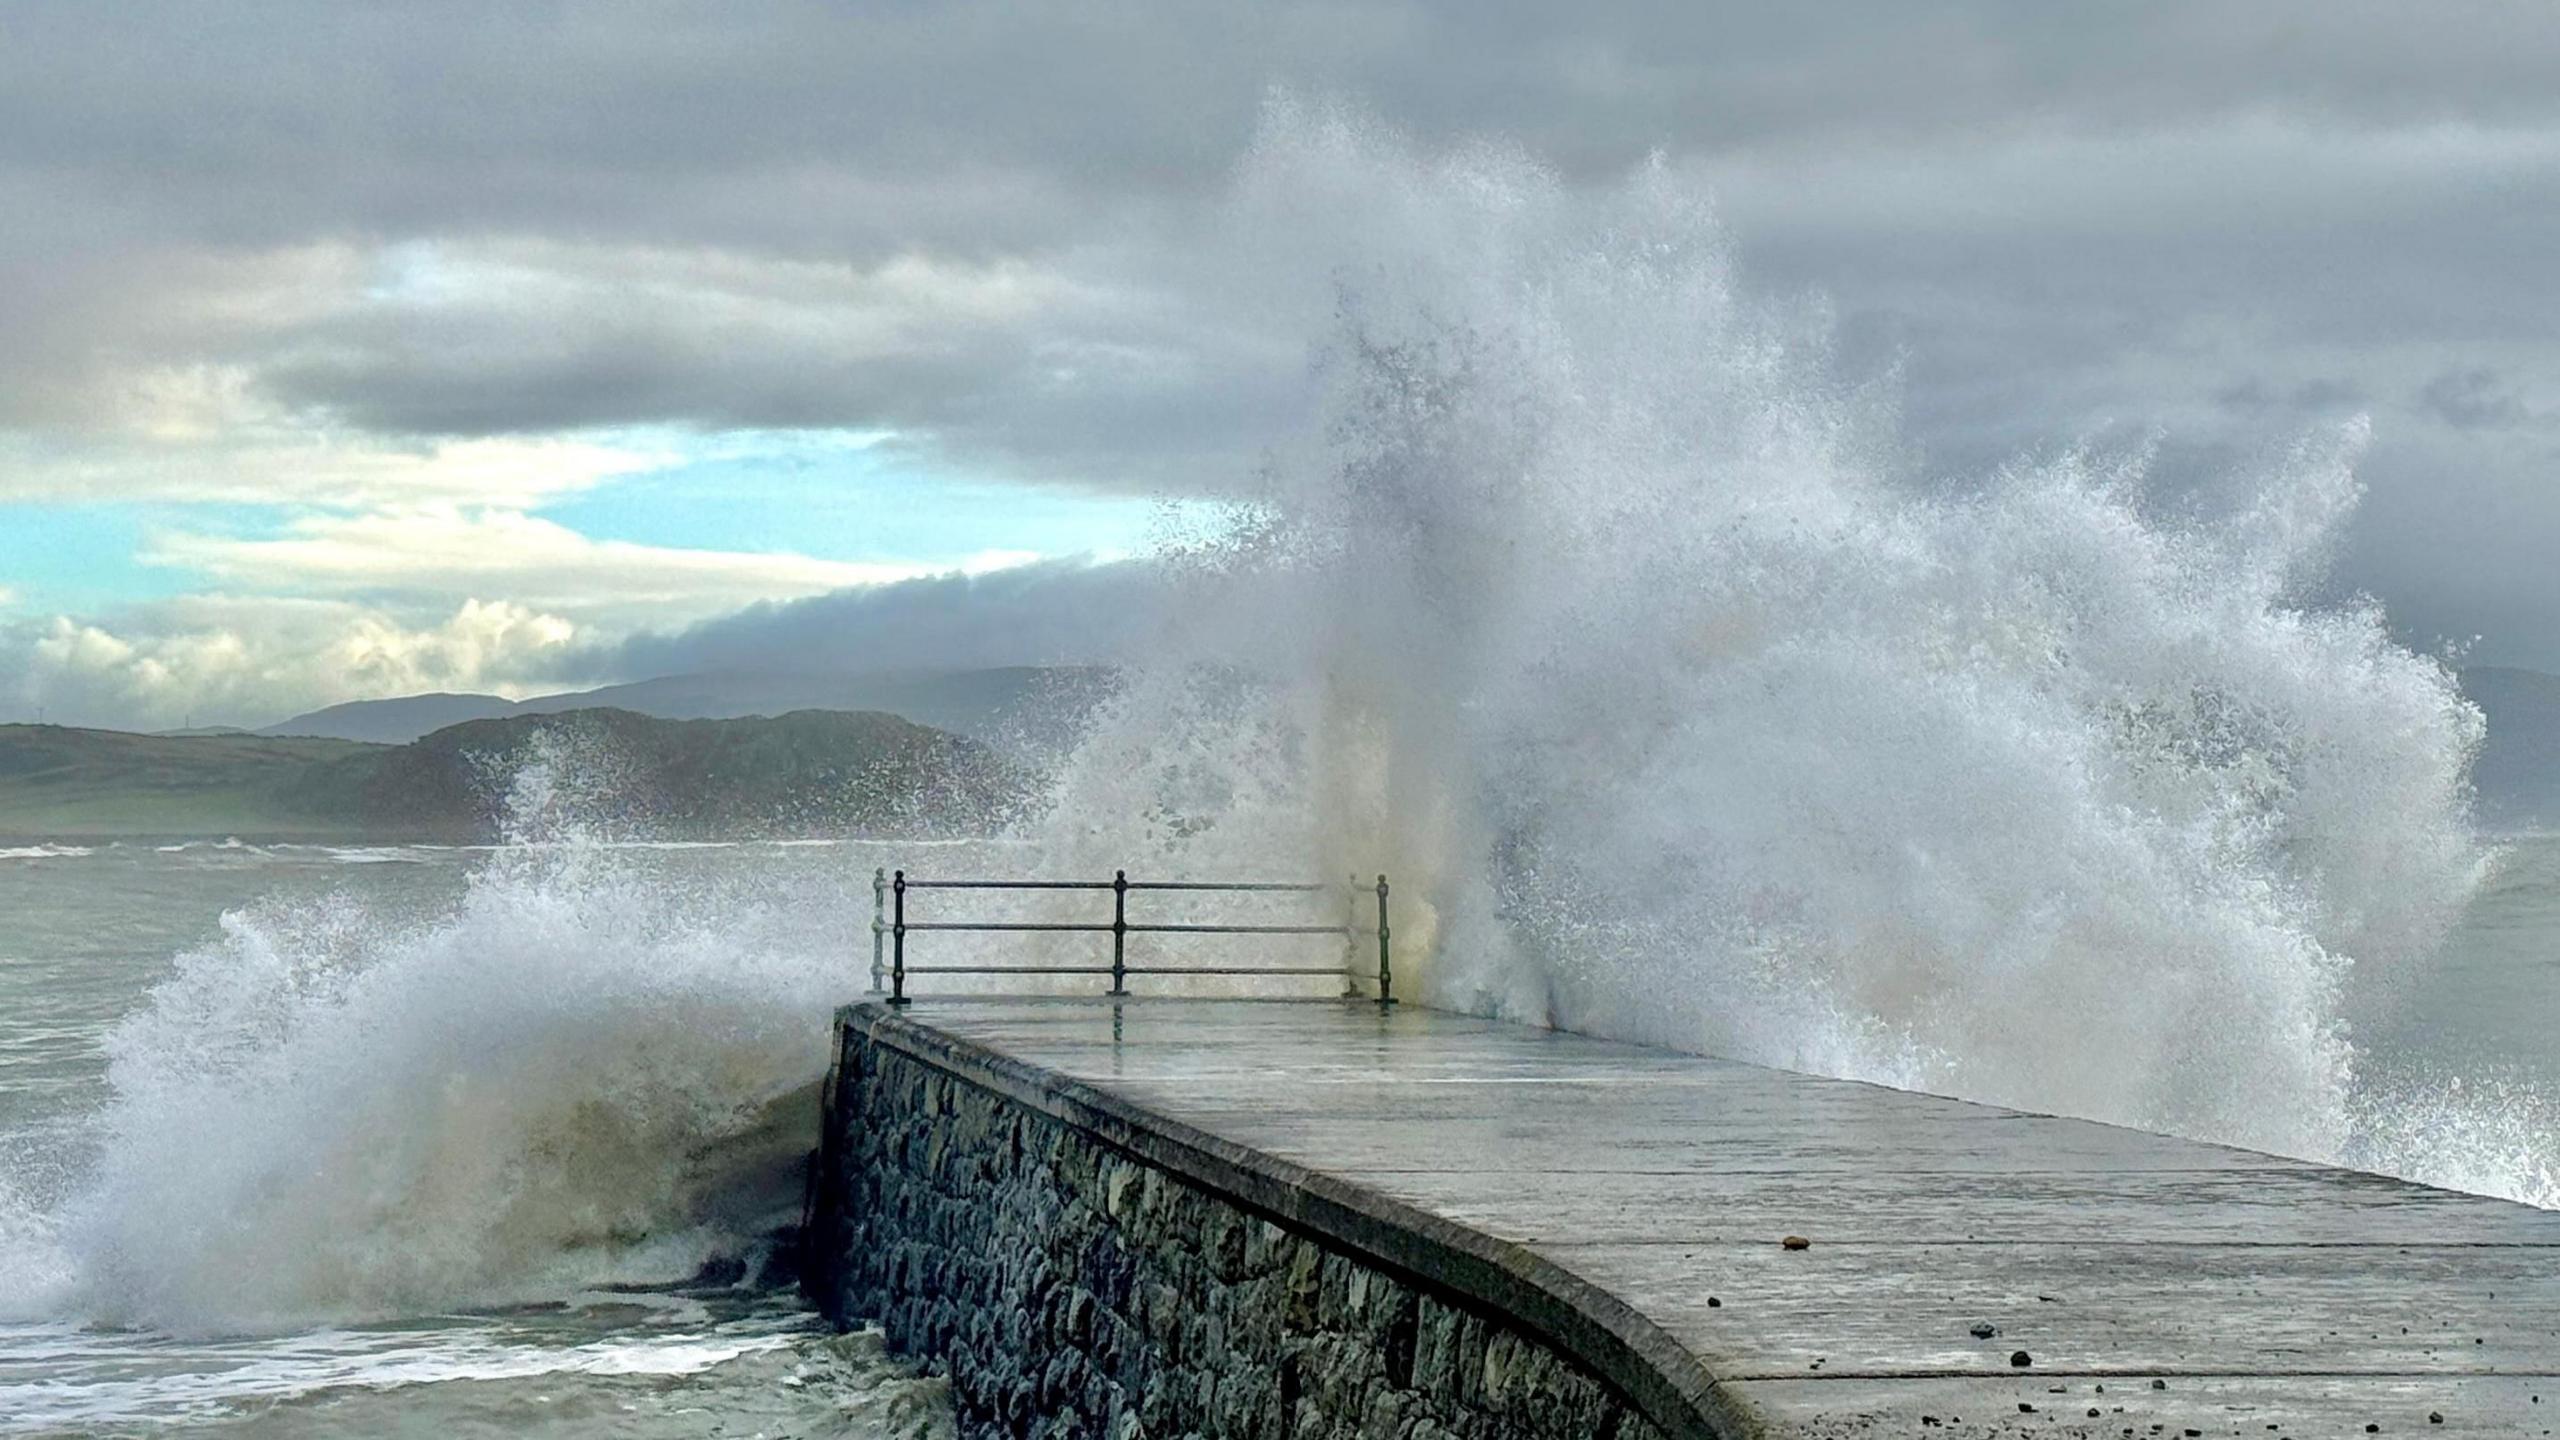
x=2472, y=399
x=1082, y=374
x=1048, y=613
x=2219, y=222
x=258, y=120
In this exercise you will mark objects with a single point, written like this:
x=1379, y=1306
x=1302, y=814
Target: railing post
x=879, y=926
x=1119, y=932
x=1386, y=970
x=898, y=942
x=1351, y=938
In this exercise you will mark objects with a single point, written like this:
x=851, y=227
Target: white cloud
x=426, y=553
x=262, y=461
x=247, y=660
x=255, y=659
x=359, y=606
x=987, y=562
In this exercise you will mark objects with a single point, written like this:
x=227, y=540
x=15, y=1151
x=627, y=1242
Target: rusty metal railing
x=890, y=928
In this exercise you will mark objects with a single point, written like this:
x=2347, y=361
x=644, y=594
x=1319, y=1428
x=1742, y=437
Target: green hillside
x=808, y=773
x=811, y=772
x=63, y=783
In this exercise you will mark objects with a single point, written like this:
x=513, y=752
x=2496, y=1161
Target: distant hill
x=810, y=772
x=2519, y=770
x=802, y=774
x=58, y=782
x=394, y=722
x=1026, y=709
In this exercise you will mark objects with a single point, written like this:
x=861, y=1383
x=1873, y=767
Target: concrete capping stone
x=1665, y=1382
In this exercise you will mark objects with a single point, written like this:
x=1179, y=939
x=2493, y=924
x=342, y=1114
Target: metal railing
x=890, y=927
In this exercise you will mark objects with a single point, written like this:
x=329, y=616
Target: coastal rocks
x=1070, y=1290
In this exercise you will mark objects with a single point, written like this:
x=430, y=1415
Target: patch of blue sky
x=832, y=495
x=849, y=497
x=84, y=558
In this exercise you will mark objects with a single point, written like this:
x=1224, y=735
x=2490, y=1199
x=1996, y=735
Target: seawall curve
x=875, y=1253
x=1300, y=1219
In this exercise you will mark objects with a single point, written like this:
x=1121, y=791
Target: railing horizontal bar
x=1280, y=886
x=1008, y=969
x=1010, y=885
x=1283, y=886
x=1242, y=930
x=1086, y=928
x=1089, y=928
x=1337, y=971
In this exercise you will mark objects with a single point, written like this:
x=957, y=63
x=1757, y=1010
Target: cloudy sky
x=351, y=349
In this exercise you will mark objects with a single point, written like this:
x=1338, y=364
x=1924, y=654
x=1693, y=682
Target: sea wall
x=1081, y=1267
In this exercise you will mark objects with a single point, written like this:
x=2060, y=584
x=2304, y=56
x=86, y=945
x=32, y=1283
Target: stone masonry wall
x=1071, y=1290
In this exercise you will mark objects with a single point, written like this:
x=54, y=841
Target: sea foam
x=1687, y=705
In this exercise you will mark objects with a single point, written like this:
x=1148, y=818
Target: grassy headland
x=808, y=773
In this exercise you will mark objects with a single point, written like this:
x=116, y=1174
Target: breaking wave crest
x=587, y=1072
x=1690, y=708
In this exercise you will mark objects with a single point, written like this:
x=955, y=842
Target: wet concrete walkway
x=2152, y=1286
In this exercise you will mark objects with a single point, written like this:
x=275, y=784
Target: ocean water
x=439, y=1175
x=385, y=1141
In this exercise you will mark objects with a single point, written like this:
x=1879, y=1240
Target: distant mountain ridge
x=391, y=722
x=1028, y=709
x=809, y=773
x=1035, y=712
